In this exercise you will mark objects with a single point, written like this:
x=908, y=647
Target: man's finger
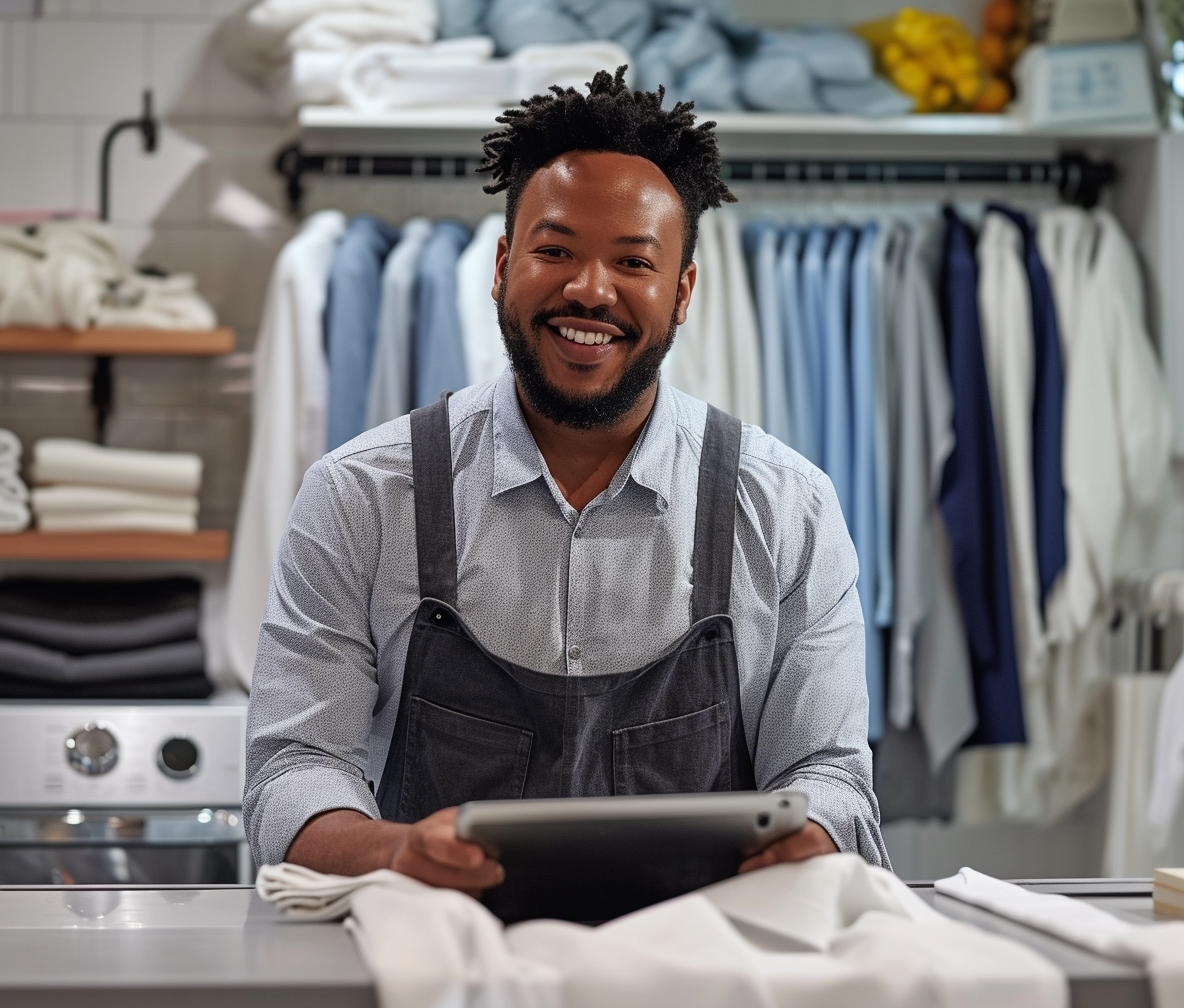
x=442, y=846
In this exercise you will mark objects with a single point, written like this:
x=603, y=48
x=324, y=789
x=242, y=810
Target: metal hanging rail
x=1079, y=179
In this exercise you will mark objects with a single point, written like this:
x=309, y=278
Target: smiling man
x=574, y=580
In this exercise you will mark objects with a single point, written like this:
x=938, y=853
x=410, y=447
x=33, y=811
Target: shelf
x=111, y=342
x=205, y=544
x=338, y=117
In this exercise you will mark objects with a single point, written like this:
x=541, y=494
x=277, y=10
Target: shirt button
x=574, y=652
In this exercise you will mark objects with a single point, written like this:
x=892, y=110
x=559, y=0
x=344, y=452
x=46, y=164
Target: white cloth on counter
x=831, y=930
x=259, y=40
x=485, y=353
x=116, y=521
x=1159, y=948
x=716, y=354
x=288, y=423
x=75, y=498
x=69, y=460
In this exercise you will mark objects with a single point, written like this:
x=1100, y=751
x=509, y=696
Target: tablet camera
x=763, y=820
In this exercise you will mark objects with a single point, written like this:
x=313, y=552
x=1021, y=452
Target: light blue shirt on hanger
x=836, y=370
x=760, y=244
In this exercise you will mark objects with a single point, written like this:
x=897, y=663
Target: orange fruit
x=994, y=96
x=1001, y=16
x=992, y=50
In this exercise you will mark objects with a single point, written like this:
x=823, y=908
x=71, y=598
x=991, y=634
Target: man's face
x=590, y=290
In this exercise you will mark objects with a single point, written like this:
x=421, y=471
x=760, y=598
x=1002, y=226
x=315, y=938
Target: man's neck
x=584, y=462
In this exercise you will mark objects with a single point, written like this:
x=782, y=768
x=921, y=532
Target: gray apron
x=472, y=725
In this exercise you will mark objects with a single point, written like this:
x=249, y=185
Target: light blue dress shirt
x=439, y=338
x=865, y=478
x=563, y=592
x=812, y=286
x=760, y=243
x=803, y=395
x=836, y=370
x=351, y=323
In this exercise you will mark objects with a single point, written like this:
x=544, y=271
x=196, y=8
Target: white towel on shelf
x=14, y=515
x=12, y=487
x=83, y=498
x=137, y=301
x=1159, y=948
x=68, y=460
x=831, y=930
x=10, y=450
x=116, y=521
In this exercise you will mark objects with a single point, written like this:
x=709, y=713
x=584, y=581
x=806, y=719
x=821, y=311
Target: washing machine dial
x=178, y=758
x=92, y=750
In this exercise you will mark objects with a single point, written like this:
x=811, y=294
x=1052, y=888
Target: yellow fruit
x=968, y=88
x=940, y=96
x=912, y=78
x=892, y=55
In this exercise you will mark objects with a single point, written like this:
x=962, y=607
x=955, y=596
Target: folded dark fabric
x=76, y=601
x=21, y=660
x=91, y=638
x=186, y=687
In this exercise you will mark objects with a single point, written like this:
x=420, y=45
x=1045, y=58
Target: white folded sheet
x=1159, y=948
x=10, y=450
x=127, y=520
x=74, y=498
x=67, y=460
x=830, y=931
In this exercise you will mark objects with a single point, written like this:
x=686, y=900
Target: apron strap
x=435, y=517
x=715, y=516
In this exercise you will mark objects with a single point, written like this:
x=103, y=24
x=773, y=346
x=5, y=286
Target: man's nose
x=592, y=285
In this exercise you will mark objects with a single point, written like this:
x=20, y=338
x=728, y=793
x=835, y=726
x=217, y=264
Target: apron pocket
x=453, y=758
x=681, y=755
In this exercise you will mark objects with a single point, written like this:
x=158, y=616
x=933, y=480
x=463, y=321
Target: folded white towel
x=14, y=515
x=10, y=450
x=66, y=460
x=148, y=302
x=1159, y=948
x=73, y=498
x=574, y=65
x=858, y=936
x=116, y=521
x=12, y=487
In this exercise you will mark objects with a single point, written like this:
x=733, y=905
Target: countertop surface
x=224, y=946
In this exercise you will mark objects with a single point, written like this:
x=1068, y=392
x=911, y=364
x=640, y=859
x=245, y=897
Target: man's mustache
x=572, y=310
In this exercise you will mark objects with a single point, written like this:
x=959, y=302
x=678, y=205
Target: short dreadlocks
x=612, y=118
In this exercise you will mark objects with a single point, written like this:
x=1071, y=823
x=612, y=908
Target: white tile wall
x=88, y=67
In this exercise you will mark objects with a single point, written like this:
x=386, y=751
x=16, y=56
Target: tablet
x=592, y=859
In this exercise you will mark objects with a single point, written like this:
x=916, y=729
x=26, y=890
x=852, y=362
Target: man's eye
x=554, y=253
x=634, y=263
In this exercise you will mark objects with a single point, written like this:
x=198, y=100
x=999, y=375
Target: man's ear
x=686, y=284
x=499, y=265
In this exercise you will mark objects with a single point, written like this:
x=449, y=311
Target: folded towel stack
x=14, y=495
x=83, y=487
x=121, y=640
x=1168, y=891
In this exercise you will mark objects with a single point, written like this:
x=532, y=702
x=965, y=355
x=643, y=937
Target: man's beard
x=581, y=412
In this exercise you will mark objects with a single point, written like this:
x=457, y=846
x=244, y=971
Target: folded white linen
x=12, y=487
x=68, y=460
x=138, y=301
x=127, y=520
x=451, y=72
x=83, y=498
x=573, y=65
x=14, y=515
x=1159, y=948
x=10, y=450
x=868, y=940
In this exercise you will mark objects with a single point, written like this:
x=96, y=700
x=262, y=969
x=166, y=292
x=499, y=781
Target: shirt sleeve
x=812, y=735
x=314, y=685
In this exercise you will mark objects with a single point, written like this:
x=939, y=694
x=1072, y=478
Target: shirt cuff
x=845, y=814
x=278, y=809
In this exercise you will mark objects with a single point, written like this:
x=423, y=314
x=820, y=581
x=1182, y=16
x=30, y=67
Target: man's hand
x=346, y=842
x=431, y=852
x=807, y=842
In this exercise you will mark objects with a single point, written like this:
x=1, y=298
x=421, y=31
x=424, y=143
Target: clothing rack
x=1153, y=600
x=1078, y=178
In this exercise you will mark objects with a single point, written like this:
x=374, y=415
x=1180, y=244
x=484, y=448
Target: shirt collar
x=518, y=461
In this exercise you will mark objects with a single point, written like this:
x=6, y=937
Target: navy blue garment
x=1047, y=413
x=972, y=504
x=438, y=346
x=351, y=323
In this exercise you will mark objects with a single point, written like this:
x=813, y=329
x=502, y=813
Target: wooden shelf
x=110, y=342
x=205, y=544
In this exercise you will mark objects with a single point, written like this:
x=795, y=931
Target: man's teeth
x=578, y=336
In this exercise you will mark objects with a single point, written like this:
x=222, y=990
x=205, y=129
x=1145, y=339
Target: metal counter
x=222, y=946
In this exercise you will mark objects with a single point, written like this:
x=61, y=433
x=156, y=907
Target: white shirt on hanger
x=288, y=424
x=485, y=354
